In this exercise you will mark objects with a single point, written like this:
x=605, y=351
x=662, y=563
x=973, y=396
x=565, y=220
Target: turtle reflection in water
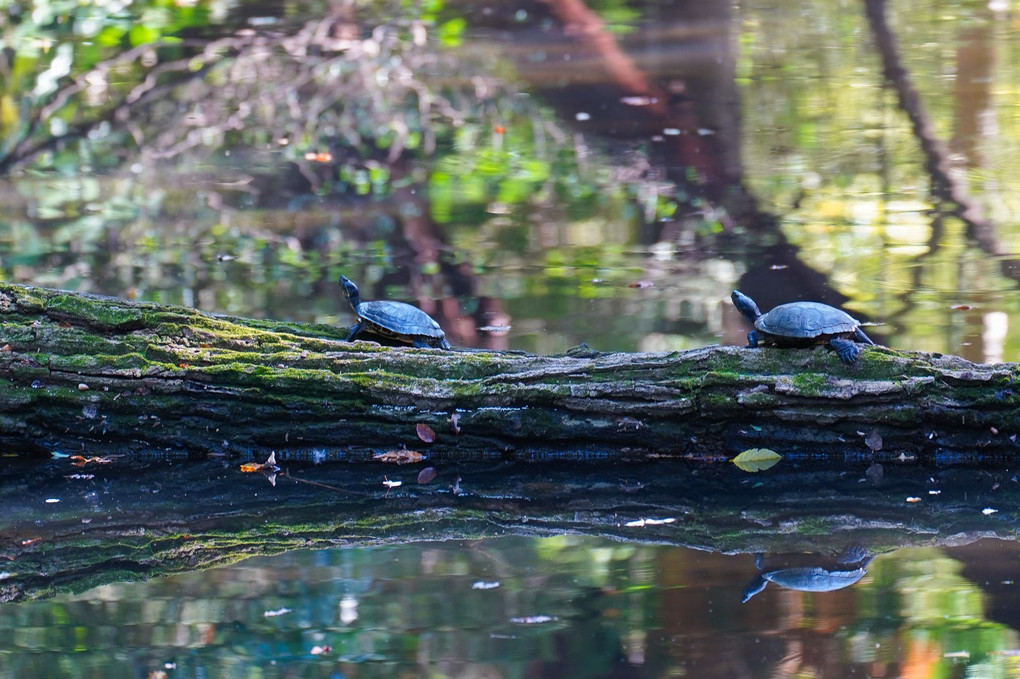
x=803, y=324
x=393, y=320
x=853, y=565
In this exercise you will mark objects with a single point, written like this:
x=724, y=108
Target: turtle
x=802, y=324
x=394, y=320
x=807, y=578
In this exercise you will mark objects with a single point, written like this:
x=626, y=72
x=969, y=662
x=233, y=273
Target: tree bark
x=102, y=376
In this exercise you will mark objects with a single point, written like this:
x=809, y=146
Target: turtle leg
x=862, y=338
x=752, y=339
x=756, y=585
x=355, y=331
x=848, y=351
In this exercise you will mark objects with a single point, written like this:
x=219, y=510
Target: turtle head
x=350, y=291
x=745, y=305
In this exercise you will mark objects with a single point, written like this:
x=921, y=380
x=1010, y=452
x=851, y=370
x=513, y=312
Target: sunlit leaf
x=757, y=459
x=140, y=34
x=451, y=33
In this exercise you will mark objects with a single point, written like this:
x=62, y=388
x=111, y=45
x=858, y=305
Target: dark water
x=552, y=201
x=513, y=607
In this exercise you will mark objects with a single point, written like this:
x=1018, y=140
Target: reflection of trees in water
x=333, y=118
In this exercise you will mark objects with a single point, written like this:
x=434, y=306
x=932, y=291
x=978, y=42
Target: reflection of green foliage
x=55, y=41
x=620, y=16
x=940, y=611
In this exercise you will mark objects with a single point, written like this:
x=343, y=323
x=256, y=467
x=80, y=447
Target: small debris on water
x=637, y=101
x=455, y=423
x=913, y=499
x=988, y=511
x=427, y=475
x=640, y=523
x=485, y=585
x=533, y=619
x=82, y=386
x=277, y=612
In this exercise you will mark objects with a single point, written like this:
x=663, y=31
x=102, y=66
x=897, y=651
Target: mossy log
x=101, y=376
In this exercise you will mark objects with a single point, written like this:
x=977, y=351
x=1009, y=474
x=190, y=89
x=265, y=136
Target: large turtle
x=802, y=324
x=808, y=578
x=395, y=320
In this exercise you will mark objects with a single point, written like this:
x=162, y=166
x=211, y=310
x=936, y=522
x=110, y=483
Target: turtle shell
x=399, y=320
x=806, y=320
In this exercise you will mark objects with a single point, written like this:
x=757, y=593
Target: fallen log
x=90, y=375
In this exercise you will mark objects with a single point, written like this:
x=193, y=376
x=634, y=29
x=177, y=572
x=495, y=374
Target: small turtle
x=802, y=324
x=807, y=579
x=395, y=320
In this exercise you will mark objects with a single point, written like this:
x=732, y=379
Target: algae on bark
x=100, y=375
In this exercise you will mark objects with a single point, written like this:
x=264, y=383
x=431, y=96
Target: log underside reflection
x=129, y=521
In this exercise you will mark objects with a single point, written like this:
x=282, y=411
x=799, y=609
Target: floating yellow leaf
x=757, y=459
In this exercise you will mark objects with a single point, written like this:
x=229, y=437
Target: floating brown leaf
x=399, y=456
x=628, y=423
x=81, y=460
x=425, y=432
x=875, y=473
x=427, y=475
x=757, y=459
x=455, y=423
